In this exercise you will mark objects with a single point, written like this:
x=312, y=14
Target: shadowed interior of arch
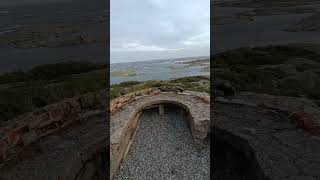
x=162, y=146
x=233, y=159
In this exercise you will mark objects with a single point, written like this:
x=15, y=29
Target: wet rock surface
x=164, y=149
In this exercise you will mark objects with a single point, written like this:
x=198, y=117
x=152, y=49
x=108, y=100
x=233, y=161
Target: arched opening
x=233, y=158
x=162, y=146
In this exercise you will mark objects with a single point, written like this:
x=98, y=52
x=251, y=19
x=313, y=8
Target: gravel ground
x=163, y=149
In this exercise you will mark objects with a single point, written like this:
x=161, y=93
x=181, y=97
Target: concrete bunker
x=71, y=133
x=233, y=158
x=162, y=147
x=255, y=135
x=124, y=123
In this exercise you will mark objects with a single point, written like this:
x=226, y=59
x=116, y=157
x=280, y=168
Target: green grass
x=271, y=55
x=195, y=83
x=22, y=92
x=247, y=69
x=50, y=71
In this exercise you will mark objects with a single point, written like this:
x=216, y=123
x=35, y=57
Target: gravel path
x=163, y=149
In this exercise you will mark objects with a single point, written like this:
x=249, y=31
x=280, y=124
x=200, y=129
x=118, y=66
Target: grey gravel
x=163, y=149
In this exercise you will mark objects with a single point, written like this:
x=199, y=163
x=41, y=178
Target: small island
x=127, y=72
x=199, y=62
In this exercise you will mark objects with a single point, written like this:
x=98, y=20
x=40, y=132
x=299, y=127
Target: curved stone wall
x=74, y=133
x=234, y=158
x=125, y=120
x=70, y=132
x=261, y=128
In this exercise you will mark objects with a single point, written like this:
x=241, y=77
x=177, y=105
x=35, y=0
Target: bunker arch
x=234, y=157
x=165, y=103
x=199, y=127
x=162, y=105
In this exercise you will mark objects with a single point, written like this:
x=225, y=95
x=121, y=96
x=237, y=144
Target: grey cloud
x=160, y=23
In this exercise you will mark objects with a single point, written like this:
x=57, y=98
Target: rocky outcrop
x=117, y=103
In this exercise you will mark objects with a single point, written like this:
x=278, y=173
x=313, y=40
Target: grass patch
x=248, y=69
x=23, y=92
x=270, y=55
x=50, y=71
x=194, y=83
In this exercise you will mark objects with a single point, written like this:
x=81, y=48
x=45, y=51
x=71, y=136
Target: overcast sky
x=159, y=29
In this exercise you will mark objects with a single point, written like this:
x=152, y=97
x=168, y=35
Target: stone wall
x=125, y=118
x=278, y=136
x=300, y=111
x=23, y=132
x=117, y=103
x=32, y=126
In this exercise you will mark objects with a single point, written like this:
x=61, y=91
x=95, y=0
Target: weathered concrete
x=161, y=110
x=123, y=119
x=261, y=129
x=72, y=133
x=73, y=153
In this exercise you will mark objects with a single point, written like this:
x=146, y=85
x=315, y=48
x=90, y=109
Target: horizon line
x=160, y=59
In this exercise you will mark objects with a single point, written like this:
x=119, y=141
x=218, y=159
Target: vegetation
x=195, y=83
x=270, y=55
x=278, y=70
x=50, y=71
x=50, y=35
x=22, y=92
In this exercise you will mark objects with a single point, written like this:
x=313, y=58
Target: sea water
x=158, y=70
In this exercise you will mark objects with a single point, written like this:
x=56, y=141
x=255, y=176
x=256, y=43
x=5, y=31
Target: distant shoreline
x=176, y=58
